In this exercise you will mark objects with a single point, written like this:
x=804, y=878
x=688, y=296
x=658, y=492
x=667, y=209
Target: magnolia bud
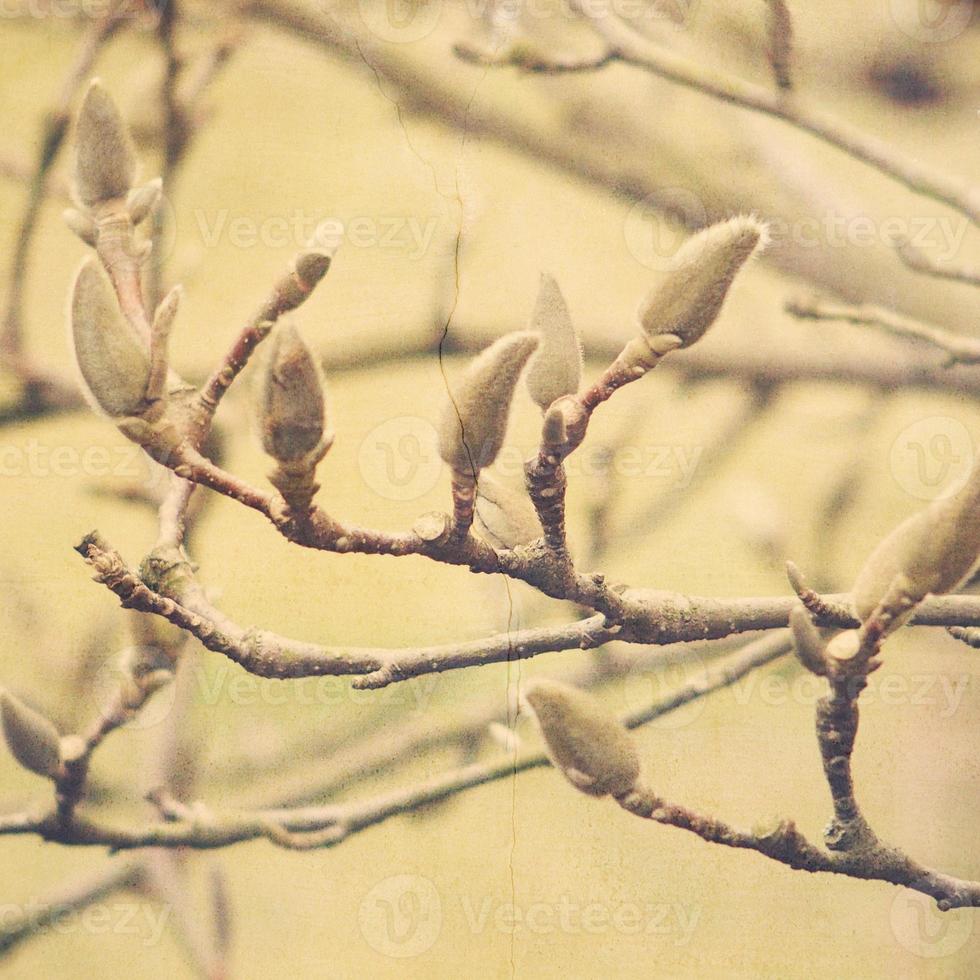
x=807, y=641
x=311, y=266
x=113, y=361
x=689, y=300
x=593, y=751
x=554, y=429
x=166, y=312
x=32, y=739
x=293, y=407
x=81, y=224
x=141, y=201
x=506, y=517
x=474, y=422
x=105, y=162
x=935, y=550
x=556, y=369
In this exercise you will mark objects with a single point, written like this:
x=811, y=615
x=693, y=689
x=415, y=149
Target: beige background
x=293, y=131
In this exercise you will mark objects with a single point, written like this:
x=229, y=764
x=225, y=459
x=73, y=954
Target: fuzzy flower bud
x=689, y=300
x=474, y=421
x=114, y=362
x=81, y=224
x=935, y=550
x=141, y=201
x=556, y=369
x=33, y=740
x=105, y=162
x=293, y=406
x=506, y=517
x=593, y=751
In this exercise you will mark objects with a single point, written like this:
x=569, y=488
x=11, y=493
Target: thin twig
x=958, y=350
x=631, y=48
x=651, y=618
x=917, y=260
x=46, y=912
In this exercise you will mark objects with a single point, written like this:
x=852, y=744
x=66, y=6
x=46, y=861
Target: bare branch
x=917, y=260
x=958, y=350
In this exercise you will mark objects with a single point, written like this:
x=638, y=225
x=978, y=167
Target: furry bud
x=311, y=266
x=474, y=421
x=935, y=550
x=593, y=751
x=506, y=517
x=689, y=300
x=554, y=431
x=293, y=406
x=166, y=312
x=113, y=361
x=105, y=162
x=33, y=740
x=81, y=224
x=556, y=369
x=141, y=201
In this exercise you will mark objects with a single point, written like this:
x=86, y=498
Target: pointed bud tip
x=293, y=405
x=592, y=750
x=105, y=162
x=556, y=369
x=689, y=300
x=312, y=265
x=113, y=361
x=33, y=741
x=474, y=420
x=141, y=201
